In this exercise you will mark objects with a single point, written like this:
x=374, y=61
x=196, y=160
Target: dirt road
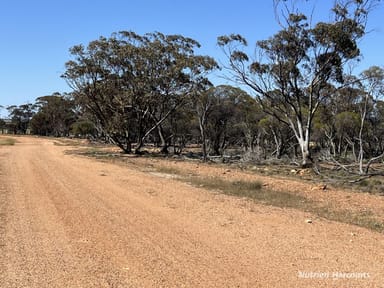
x=67, y=221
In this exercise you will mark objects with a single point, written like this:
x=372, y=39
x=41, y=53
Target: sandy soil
x=330, y=196
x=68, y=221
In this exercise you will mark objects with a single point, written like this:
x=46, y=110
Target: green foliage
x=153, y=88
x=226, y=115
x=55, y=115
x=299, y=64
x=225, y=40
x=20, y=117
x=83, y=128
x=7, y=141
x=347, y=123
x=131, y=83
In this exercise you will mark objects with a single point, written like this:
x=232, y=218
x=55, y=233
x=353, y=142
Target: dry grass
x=169, y=170
x=250, y=189
x=7, y=141
x=94, y=152
x=364, y=219
x=253, y=190
x=257, y=192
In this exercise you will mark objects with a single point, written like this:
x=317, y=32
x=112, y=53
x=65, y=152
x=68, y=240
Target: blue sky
x=36, y=34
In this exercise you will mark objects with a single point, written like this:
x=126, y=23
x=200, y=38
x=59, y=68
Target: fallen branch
x=373, y=160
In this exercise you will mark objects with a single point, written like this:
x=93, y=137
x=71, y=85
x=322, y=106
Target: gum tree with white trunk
x=295, y=68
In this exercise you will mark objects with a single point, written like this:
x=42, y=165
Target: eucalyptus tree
x=337, y=119
x=372, y=90
x=20, y=116
x=132, y=83
x=277, y=137
x=228, y=120
x=378, y=128
x=222, y=113
x=291, y=78
x=55, y=115
x=347, y=130
x=247, y=123
x=203, y=105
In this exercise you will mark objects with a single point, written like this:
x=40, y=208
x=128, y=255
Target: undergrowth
x=255, y=191
x=7, y=141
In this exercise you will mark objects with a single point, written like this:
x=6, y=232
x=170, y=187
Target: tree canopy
x=293, y=99
x=132, y=83
x=299, y=65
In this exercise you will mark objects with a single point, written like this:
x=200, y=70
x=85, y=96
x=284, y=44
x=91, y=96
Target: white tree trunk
x=303, y=136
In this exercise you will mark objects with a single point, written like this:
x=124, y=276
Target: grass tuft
x=7, y=141
x=251, y=189
x=256, y=191
x=97, y=153
x=364, y=219
x=169, y=170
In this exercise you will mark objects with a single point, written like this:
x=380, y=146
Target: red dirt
x=67, y=221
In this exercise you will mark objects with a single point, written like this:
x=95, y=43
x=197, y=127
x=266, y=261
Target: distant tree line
x=297, y=100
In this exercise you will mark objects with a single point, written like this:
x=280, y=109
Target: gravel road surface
x=69, y=221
